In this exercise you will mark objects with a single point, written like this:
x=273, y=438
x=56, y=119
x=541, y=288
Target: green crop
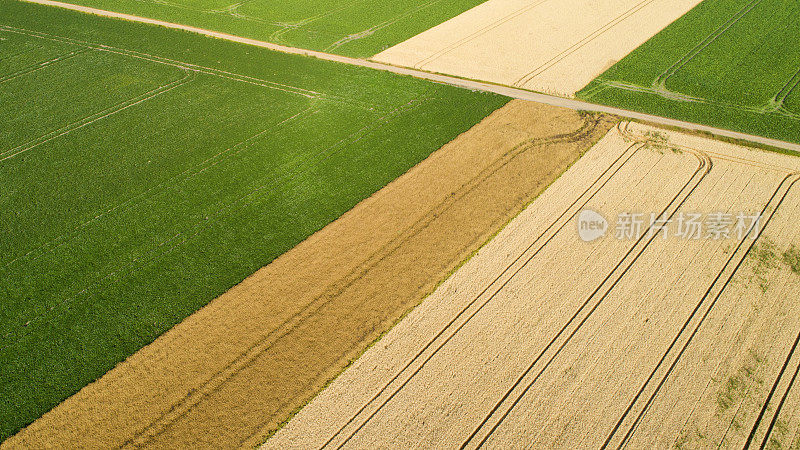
x=359, y=28
x=727, y=63
x=144, y=171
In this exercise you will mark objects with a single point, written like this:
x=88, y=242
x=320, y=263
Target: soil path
x=507, y=91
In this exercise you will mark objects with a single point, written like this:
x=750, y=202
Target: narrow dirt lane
x=439, y=78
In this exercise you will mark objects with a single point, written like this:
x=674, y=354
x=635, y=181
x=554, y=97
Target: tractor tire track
x=791, y=180
x=520, y=82
x=473, y=307
x=767, y=402
x=526, y=379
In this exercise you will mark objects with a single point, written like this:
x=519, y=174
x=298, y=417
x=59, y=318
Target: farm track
x=540, y=404
x=445, y=79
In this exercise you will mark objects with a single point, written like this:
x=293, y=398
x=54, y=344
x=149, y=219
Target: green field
x=732, y=64
x=145, y=171
x=358, y=28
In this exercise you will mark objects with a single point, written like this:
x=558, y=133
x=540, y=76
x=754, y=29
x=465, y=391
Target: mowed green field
x=145, y=171
x=358, y=28
x=733, y=64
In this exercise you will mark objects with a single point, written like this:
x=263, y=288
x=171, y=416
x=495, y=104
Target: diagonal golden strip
x=232, y=372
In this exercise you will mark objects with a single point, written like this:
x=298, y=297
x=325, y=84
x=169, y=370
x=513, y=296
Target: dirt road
x=507, y=91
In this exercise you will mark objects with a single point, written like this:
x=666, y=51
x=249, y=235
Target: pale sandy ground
x=545, y=340
x=551, y=46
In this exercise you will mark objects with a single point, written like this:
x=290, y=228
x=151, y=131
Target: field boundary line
x=586, y=130
x=246, y=357
x=507, y=91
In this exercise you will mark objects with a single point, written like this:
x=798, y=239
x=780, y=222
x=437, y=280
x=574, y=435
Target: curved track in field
x=591, y=304
x=361, y=273
x=464, y=418
x=468, y=312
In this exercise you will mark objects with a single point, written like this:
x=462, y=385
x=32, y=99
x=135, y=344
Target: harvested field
x=731, y=64
x=146, y=171
x=652, y=339
x=236, y=369
x=551, y=46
